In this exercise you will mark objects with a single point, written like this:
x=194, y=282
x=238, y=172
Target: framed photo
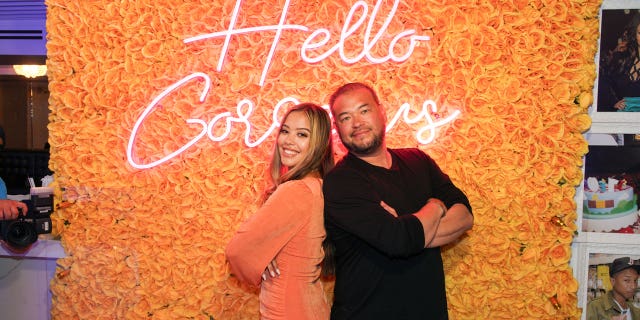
x=617, y=89
x=608, y=197
x=593, y=270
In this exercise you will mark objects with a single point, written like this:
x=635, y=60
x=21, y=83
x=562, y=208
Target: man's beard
x=368, y=148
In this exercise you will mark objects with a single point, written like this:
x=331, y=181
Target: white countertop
x=41, y=249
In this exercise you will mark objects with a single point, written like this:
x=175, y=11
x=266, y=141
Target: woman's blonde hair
x=320, y=156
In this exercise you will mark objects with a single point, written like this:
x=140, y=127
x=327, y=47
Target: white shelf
x=609, y=238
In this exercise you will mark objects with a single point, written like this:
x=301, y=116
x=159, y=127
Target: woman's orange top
x=289, y=227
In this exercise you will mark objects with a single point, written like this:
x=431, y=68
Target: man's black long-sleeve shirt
x=383, y=270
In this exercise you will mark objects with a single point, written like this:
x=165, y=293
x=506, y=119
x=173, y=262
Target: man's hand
x=9, y=209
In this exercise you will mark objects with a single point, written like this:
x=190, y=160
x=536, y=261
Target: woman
x=620, y=77
x=279, y=248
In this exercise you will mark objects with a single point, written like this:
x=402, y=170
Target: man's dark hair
x=348, y=88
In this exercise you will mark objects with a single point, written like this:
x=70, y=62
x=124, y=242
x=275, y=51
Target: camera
x=24, y=230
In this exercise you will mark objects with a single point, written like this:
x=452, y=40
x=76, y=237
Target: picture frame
x=607, y=199
x=610, y=89
x=591, y=263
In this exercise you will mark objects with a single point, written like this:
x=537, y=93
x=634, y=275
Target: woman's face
x=293, y=139
x=638, y=34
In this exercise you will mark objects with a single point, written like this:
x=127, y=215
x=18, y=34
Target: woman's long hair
x=621, y=62
x=320, y=159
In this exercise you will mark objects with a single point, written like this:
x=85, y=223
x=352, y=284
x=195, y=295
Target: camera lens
x=20, y=234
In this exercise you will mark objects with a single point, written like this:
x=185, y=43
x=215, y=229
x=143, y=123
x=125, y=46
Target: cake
x=609, y=205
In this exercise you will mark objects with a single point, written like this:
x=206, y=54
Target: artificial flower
x=148, y=243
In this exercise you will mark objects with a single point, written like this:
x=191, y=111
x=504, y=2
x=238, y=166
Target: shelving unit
x=591, y=249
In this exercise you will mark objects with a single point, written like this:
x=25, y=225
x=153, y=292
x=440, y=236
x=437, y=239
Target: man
x=387, y=212
x=617, y=303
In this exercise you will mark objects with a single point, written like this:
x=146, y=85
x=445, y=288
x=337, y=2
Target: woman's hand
x=620, y=105
x=389, y=209
x=271, y=270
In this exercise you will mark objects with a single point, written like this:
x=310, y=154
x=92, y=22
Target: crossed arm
x=456, y=221
x=441, y=225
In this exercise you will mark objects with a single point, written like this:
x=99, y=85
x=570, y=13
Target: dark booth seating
x=17, y=165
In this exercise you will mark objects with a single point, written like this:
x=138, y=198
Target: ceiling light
x=30, y=70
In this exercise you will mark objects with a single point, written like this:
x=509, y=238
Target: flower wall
x=147, y=243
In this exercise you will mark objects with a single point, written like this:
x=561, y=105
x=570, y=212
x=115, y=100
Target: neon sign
x=309, y=44
x=316, y=42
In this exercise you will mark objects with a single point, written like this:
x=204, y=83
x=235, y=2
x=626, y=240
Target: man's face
x=360, y=121
x=625, y=283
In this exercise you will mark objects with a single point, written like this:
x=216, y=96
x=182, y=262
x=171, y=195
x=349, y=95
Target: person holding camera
x=9, y=209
